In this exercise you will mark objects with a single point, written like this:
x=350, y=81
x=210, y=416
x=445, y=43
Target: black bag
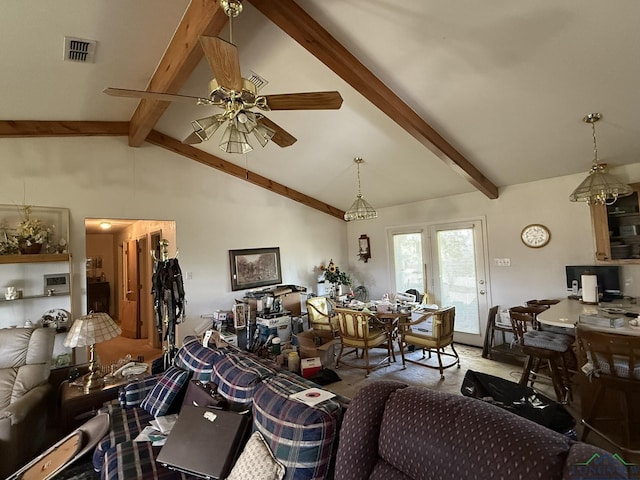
x=202, y=394
x=519, y=399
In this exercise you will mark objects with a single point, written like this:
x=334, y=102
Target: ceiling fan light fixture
x=245, y=121
x=360, y=209
x=599, y=188
x=206, y=127
x=234, y=141
x=263, y=133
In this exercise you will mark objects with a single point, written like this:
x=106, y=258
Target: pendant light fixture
x=360, y=210
x=599, y=188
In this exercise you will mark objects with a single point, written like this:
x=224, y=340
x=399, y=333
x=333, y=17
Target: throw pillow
x=256, y=462
x=160, y=398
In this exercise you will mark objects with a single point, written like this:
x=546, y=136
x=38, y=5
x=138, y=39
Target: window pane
x=407, y=254
x=456, y=257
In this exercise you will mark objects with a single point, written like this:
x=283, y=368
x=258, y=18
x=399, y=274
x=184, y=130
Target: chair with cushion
x=25, y=364
x=542, y=347
x=320, y=315
x=361, y=331
x=432, y=332
x=613, y=365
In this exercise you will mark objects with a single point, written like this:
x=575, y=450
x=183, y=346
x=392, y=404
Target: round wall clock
x=535, y=235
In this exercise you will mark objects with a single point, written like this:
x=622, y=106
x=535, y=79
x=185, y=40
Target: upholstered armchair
x=361, y=331
x=431, y=333
x=25, y=364
x=320, y=316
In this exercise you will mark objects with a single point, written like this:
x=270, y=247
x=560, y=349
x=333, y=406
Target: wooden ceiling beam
x=237, y=171
x=60, y=128
x=300, y=26
x=202, y=17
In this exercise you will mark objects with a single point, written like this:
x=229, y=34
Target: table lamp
x=86, y=331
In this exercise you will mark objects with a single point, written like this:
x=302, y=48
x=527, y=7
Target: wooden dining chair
x=613, y=365
x=431, y=333
x=542, y=348
x=361, y=331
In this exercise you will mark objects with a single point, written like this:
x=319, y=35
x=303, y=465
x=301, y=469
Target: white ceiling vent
x=257, y=80
x=79, y=49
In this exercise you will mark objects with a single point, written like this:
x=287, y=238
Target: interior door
x=457, y=263
x=131, y=294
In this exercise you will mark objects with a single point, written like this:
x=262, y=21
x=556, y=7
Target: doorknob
x=481, y=282
x=482, y=292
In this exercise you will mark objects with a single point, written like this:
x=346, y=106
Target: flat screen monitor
x=608, y=277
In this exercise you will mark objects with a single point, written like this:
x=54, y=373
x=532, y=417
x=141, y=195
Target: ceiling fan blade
x=304, y=101
x=192, y=139
x=224, y=62
x=166, y=97
x=281, y=138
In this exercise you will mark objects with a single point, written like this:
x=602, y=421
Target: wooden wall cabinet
x=616, y=229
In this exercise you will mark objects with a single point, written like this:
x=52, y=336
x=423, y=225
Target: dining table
x=391, y=319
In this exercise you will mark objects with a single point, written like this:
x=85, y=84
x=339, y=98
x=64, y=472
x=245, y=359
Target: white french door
x=447, y=261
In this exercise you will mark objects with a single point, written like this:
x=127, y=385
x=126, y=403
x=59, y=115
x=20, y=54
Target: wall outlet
x=502, y=262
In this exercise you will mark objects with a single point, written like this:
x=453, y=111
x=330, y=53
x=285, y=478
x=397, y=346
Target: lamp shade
x=360, y=210
x=91, y=329
x=600, y=188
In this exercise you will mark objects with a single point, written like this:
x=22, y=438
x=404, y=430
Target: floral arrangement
x=32, y=230
x=30, y=235
x=332, y=274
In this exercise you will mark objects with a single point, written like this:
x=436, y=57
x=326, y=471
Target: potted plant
x=336, y=277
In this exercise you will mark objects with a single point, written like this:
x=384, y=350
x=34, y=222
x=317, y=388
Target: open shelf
x=36, y=258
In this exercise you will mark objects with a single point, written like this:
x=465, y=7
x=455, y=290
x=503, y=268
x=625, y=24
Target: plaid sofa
x=302, y=438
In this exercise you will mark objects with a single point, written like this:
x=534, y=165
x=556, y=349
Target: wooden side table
x=76, y=406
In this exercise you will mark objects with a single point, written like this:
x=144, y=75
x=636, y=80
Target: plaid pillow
x=160, y=398
x=134, y=392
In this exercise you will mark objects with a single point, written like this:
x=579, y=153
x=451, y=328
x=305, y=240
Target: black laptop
x=205, y=442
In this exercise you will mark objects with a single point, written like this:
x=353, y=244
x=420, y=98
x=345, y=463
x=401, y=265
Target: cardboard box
x=230, y=338
x=310, y=366
x=310, y=349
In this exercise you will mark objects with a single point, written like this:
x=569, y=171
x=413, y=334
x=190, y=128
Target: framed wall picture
x=254, y=267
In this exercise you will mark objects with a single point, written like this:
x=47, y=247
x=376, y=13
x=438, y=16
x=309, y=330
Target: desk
x=568, y=311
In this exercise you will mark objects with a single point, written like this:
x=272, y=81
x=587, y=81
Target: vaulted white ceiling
x=505, y=83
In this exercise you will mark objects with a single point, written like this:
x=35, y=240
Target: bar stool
x=613, y=363
x=541, y=346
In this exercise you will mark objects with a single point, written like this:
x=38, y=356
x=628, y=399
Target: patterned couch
x=392, y=431
x=304, y=439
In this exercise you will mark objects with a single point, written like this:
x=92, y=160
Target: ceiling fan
x=238, y=97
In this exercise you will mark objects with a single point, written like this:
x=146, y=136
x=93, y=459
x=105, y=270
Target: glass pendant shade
x=599, y=188
x=234, y=141
x=245, y=122
x=360, y=209
x=206, y=127
x=263, y=133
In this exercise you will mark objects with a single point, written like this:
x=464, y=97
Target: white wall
x=214, y=212
x=534, y=273
x=102, y=177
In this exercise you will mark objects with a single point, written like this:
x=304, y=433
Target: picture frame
x=254, y=267
x=240, y=315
